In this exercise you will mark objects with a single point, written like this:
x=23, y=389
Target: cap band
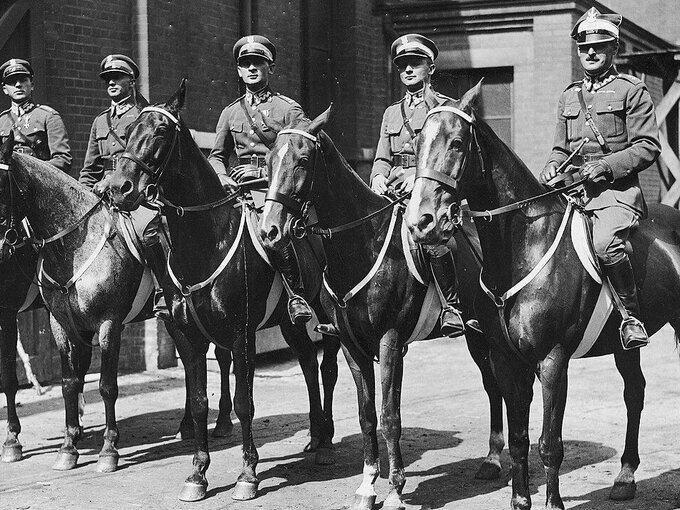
x=409, y=46
x=598, y=26
x=256, y=49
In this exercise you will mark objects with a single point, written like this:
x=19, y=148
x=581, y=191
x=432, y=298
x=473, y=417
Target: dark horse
x=380, y=298
x=207, y=233
x=536, y=331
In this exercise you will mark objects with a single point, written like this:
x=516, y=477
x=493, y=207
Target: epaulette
x=397, y=102
x=285, y=98
x=4, y=112
x=630, y=78
x=574, y=84
x=48, y=109
x=103, y=112
x=235, y=101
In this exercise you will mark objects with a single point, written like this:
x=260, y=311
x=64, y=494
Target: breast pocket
x=611, y=118
x=101, y=136
x=394, y=132
x=570, y=115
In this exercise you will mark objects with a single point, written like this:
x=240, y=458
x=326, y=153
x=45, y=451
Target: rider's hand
x=102, y=186
x=597, y=171
x=549, y=172
x=379, y=184
x=407, y=185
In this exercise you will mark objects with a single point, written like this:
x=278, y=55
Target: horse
x=230, y=303
x=541, y=295
x=370, y=292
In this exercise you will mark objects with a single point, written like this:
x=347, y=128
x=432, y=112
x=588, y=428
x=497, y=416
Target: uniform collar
x=122, y=106
x=413, y=99
x=259, y=96
x=593, y=83
x=23, y=108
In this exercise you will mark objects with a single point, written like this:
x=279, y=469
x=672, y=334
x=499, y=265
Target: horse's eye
x=457, y=144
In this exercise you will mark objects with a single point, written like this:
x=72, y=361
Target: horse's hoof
x=325, y=456
x=363, y=502
x=65, y=461
x=623, y=491
x=193, y=491
x=312, y=445
x=11, y=453
x=244, y=491
x=223, y=429
x=488, y=471
x=107, y=463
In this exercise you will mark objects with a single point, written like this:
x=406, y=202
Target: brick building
x=327, y=50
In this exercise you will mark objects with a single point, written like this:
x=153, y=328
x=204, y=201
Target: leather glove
x=379, y=184
x=102, y=186
x=597, y=171
x=549, y=172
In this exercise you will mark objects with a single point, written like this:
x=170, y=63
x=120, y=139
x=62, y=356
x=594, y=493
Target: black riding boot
x=633, y=332
x=444, y=273
x=155, y=258
x=287, y=264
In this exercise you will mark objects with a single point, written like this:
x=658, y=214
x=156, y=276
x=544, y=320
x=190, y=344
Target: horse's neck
x=513, y=242
x=57, y=200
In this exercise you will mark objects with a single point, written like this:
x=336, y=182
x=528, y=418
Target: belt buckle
x=19, y=149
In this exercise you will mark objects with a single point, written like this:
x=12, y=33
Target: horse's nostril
x=126, y=188
x=273, y=233
x=425, y=221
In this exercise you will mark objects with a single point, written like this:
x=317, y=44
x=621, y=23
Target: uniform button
x=251, y=131
x=252, y=144
x=590, y=106
x=113, y=143
x=609, y=107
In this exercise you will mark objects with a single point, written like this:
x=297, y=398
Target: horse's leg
x=71, y=389
x=186, y=426
x=109, y=341
x=192, y=352
x=628, y=364
x=244, y=369
x=224, y=426
x=553, y=375
x=516, y=383
x=82, y=364
x=11, y=448
x=364, y=378
x=329, y=376
x=391, y=376
x=302, y=345
x=479, y=350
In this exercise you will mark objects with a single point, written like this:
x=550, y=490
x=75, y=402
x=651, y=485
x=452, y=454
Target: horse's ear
x=7, y=148
x=176, y=102
x=272, y=124
x=471, y=97
x=318, y=123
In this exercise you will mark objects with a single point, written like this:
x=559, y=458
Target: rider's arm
x=382, y=164
x=57, y=141
x=560, y=150
x=222, y=149
x=93, y=167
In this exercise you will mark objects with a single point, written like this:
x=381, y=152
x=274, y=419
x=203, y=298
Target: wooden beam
x=671, y=198
x=667, y=102
x=11, y=18
x=669, y=157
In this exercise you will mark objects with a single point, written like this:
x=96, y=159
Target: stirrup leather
x=634, y=344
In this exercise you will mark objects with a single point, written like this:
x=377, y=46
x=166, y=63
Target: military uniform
x=236, y=139
x=38, y=131
x=107, y=140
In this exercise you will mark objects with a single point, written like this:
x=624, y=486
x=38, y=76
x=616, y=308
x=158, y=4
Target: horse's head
x=291, y=173
x=151, y=141
x=12, y=206
x=443, y=153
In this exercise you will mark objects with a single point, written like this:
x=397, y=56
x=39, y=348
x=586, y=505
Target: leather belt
x=110, y=163
x=581, y=159
x=404, y=160
x=258, y=161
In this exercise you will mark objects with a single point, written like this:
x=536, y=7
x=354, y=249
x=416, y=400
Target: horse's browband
x=298, y=132
x=161, y=110
x=451, y=109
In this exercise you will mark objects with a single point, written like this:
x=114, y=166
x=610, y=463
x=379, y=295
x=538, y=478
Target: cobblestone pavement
x=445, y=433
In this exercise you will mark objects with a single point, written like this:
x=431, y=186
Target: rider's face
x=118, y=85
x=597, y=57
x=414, y=71
x=254, y=71
x=18, y=87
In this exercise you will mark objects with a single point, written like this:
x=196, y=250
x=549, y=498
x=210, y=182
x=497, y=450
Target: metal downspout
x=141, y=27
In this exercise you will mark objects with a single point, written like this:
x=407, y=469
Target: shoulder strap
x=112, y=131
x=407, y=123
x=591, y=123
x=263, y=138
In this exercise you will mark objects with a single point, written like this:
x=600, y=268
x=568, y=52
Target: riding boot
x=155, y=258
x=286, y=263
x=632, y=330
x=444, y=273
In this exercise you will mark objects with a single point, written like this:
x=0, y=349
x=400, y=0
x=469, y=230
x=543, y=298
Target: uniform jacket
x=624, y=113
x=44, y=134
x=235, y=136
x=103, y=146
x=395, y=137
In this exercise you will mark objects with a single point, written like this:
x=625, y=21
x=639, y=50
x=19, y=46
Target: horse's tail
x=675, y=324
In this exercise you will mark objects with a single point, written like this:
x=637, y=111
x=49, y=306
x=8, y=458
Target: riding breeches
x=147, y=223
x=611, y=228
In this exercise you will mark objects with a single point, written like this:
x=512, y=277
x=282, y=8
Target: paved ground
x=445, y=431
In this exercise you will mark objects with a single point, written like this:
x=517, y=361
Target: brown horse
x=229, y=304
x=377, y=316
x=537, y=318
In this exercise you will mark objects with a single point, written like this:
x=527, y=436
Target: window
x=495, y=105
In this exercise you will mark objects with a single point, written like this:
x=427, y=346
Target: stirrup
x=327, y=329
x=633, y=343
x=298, y=310
x=453, y=328
x=473, y=324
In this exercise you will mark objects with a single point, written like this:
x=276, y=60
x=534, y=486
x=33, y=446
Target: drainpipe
x=141, y=28
x=245, y=17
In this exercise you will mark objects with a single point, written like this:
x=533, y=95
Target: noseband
x=151, y=191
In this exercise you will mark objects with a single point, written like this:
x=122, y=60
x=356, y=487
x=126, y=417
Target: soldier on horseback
x=243, y=136
x=108, y=141
x=395, y=159
x=38, y=129
x=624, y=140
